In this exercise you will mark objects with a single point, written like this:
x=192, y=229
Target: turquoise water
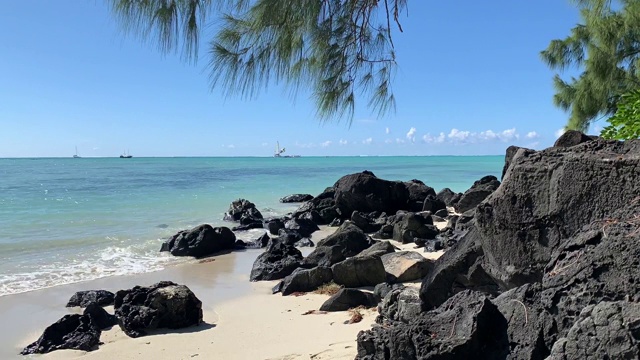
x=69, y=220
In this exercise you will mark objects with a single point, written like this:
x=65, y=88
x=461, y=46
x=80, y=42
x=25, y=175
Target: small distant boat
x=126, y=155
x=279, y=152
x=76, y=156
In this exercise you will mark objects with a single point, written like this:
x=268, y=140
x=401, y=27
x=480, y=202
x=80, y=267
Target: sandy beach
x=242, y=319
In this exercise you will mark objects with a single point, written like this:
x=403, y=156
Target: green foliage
x=625, y=124
x=606, y=48
x=338, y=50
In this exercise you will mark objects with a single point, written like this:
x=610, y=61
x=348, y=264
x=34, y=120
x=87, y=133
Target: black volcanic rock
x=200, y=241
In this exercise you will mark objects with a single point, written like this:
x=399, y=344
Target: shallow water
x=63, y=221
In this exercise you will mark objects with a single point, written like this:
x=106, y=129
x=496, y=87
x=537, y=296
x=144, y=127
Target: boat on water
x=76, y=156
x=126, y=155
x=280, y=152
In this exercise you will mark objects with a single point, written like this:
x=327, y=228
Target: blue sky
x=469, y=81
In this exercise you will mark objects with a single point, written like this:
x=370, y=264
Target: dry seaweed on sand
x=330, y=289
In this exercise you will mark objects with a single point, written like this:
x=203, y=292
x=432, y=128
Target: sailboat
x=279, y=152
x=76, y=156
x=126, y=155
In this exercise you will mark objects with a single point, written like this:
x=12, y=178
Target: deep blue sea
x=69, y=220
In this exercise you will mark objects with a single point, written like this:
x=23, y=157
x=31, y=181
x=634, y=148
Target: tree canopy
x=339, y=50
x=606, y=48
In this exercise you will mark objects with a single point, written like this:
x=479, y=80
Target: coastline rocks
x=100, y=318
x=274, y=225
x=359, y=271
x=364, y=222
x=549, y=195
x=367, y=193
x=413, y=225
x=607, y=330
x=244, y=211
x=405, y=266
x=433, y=204
x=447, y=196
x=399, y=304
x=346, y=299
x=382, y=289
x=278, y=261
x=323, y=256
x=304, y=280
x=349, y=238
x=477, y=193
x=162, y=305
x=379, y=248
x=571, y=138
x=200, y=241
x=84, y=298
x=75, y=332
x=296, y=198
x=467, y=326
x=304, y=227
x=418, y=192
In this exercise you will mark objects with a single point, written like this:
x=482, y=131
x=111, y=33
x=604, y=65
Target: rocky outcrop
x=75, y=332
x=379, y=248
x=405, y=266
x=278, y=261
x=607, y=330
x=367, y=193
x=409, y=226
x=100, y=318
x=467, y=326
x=365, y=222
x=304, y=280
x=418, y=192
x=477, y=193
x=200, y=241
x=401, y=304
x=433, y=204
x=447, y=196
x=162, y=305
x=359, y=271
x=243, y=211
x=304, y=227
x=349, y=238
x=98, y=297
x=296, y=198
x=323, y=256
x=274, y=225
x=549, y=195
x=571, y=138
x=346, y=299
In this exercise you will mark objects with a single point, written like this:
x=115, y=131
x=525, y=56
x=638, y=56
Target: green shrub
x=625, y=123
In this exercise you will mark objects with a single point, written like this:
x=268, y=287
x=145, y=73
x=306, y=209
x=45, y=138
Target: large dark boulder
x=399, y=304
x=413, y=225
x=405, y=266
x=418, y=192
x=433, y=204
x=467, y=326
x=162, y=305
x=100, y=318
x=289, y=237
x=607, y=330
x=323, y=256
x=366, y=193
x=458, y=269
x=304, y=280
x=359, y=271
x=477, y=193
x=278, y=261
x=350, y=238
x=274, y=225
x=510, y=153
x=547, y=196
x=200, y=241
x=75, y=332
x=379, y=248
x=364, y=222
x=571, y=138
x=243, y=208
x=446, y=195
x=303, y=226
x=98, y=297
x=296, y=198
x=346, y=299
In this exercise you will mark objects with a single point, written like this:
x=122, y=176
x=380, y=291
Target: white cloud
x=457, y=135
x=343, y=142
x=411, y=135
x=434, y=139
x=559, y=132
x=532, y=135
x=367, y=141
x=326, y=143
x=387, y=130
x=509, y=134
x=399, y=141
x=388, y=141
x=488, y=135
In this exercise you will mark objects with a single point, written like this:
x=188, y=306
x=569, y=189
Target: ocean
x=65, y=220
